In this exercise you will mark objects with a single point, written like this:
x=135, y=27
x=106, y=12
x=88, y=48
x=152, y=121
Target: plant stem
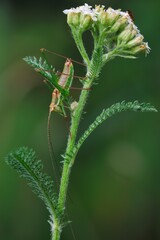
x=56, y=234
x=55, y=228
x=68, y=161
x=79, y=42
x=70, y=153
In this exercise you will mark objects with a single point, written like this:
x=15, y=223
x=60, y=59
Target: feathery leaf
x=47, y=71
x=38, y=63
x=25, y=162
x=109, y=112
x=41, y=66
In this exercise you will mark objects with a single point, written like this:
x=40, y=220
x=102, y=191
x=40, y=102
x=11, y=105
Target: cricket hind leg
x=70, y=226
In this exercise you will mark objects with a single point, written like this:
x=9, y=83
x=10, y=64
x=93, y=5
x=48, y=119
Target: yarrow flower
x=114, y=29
x=81, y=17
x=85, y=10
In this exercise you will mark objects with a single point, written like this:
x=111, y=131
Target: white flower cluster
x=85, y=10
x=95, y=12
x=112, y=23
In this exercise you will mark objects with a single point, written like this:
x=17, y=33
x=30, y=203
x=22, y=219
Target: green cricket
x=59, y=84
x=65, y=82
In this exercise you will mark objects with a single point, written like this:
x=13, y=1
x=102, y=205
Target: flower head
x=115, y=28
x=81, y=17
x=84, y=10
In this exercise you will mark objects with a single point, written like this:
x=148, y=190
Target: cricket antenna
x=71, y=228
x=60, y=55
x=51, y=151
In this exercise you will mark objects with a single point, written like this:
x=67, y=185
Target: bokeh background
x=115, y=183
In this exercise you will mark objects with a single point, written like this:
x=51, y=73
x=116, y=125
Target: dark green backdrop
x=115, y=183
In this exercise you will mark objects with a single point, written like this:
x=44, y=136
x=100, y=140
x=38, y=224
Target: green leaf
x=47, y=71
x=41, y=66
x=25, y=162
x=38, y=63
x=109, y=112
x=125, y=56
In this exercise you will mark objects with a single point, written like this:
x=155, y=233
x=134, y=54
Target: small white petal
x=84, y=9
x=148, y=49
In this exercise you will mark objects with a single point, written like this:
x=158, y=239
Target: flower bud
x=113, y=15
x=127, y=34
x=101, y=14
x=73, y=18
x=141, y=48
x=74, y=105
x=99, y=8
x=103, y=18
x=120, y=23
x=135, y=41
x=85, y=21
x=81, y=17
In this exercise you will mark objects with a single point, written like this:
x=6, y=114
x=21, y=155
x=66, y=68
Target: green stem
x=69, y=160
x=56, y=229
x=93, y=68
x=79, y=42
x=70, y=155
x=56, y=234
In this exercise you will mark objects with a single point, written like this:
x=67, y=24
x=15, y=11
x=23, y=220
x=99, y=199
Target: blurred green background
x=115, y=183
